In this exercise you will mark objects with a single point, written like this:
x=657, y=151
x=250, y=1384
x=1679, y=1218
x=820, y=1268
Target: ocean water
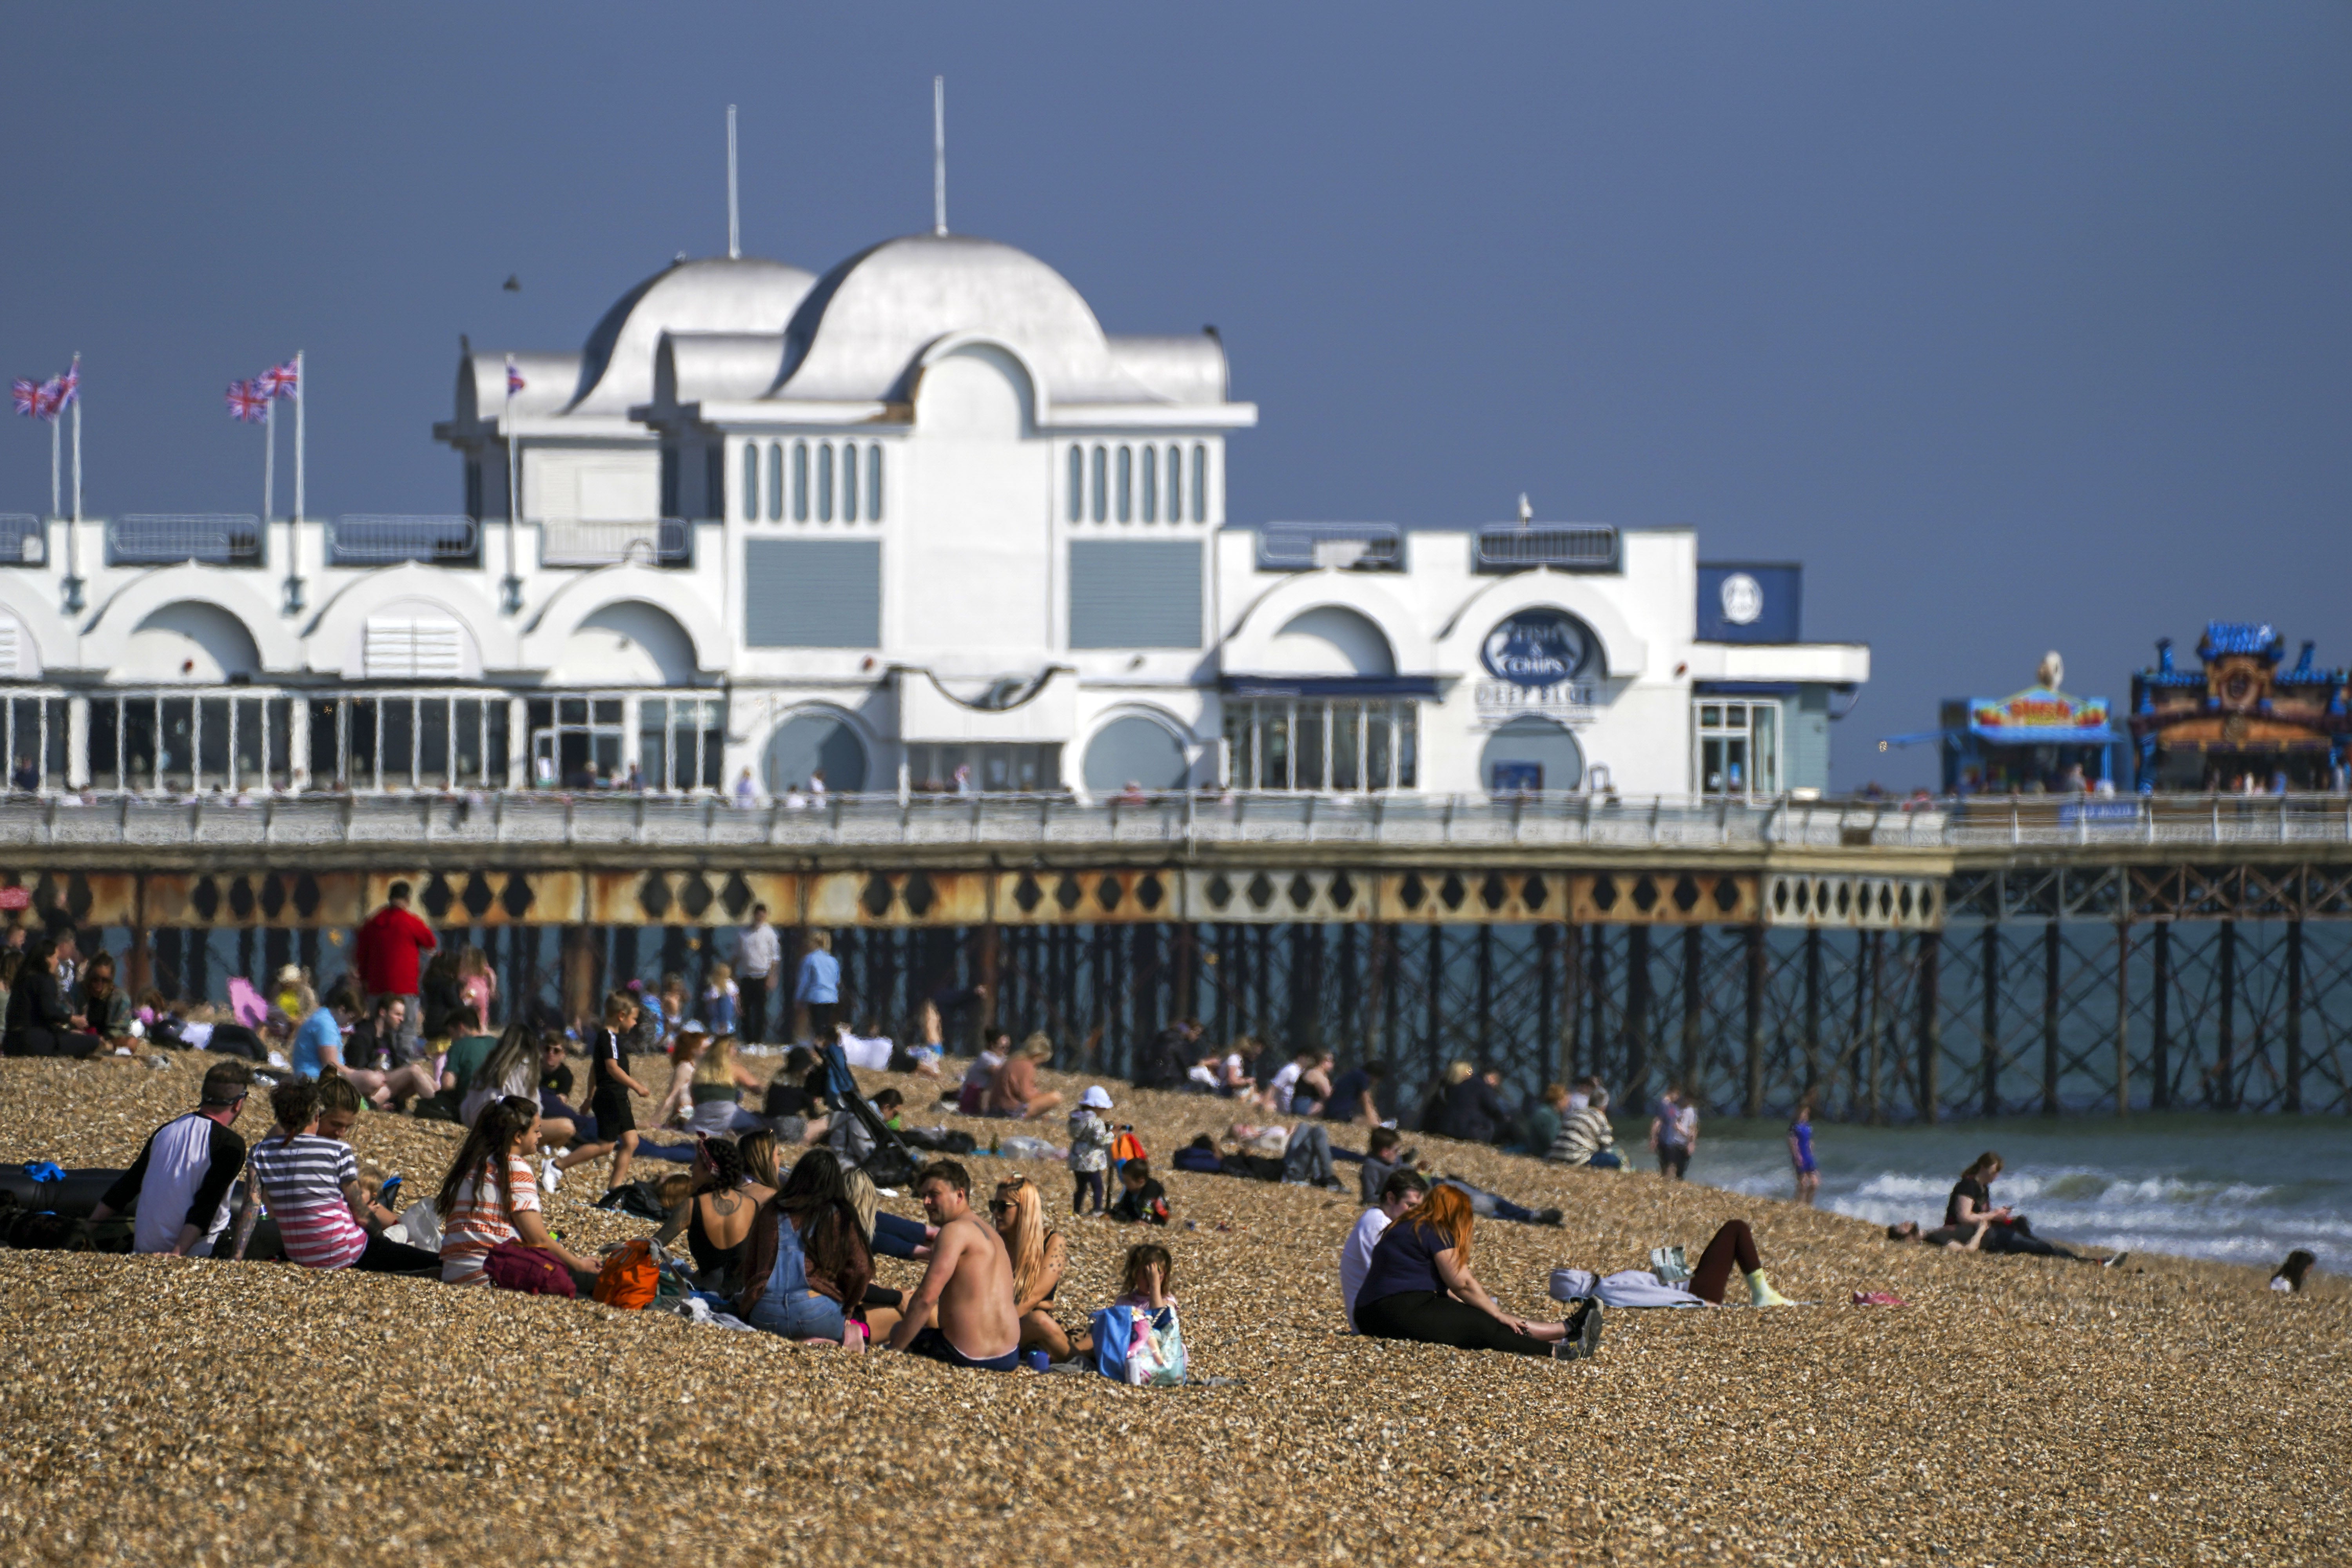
x=2236, y=1189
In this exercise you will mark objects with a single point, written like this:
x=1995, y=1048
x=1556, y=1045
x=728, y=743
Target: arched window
x=799, y=481
x=1175, y=484
x=824, y=482
x=1078, y=484
x=849, y=481
x=1126, y=484
x=1199, y=484
x=1150, y=484
x=874, y=481
x=775, y=481
x=750, y=480
x=1102, y=485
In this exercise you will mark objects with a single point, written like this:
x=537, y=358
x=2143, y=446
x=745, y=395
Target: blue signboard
x=1751, y=603
x=1540, y=647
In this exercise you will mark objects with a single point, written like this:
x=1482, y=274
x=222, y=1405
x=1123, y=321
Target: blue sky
x=2022, y=326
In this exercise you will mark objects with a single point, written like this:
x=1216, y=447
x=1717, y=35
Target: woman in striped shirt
x=488, y=1197
x=311, y=1185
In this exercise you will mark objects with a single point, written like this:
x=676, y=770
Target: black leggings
x=382, y=1257
x=2013, y=1238
x=36, y=1041
x=1732, y=1243
x=1434, y=1318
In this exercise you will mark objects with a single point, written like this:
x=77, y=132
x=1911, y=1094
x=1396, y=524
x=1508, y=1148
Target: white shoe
x=549, y=1176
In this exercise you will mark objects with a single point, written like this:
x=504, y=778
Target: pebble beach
x=2013, y=1410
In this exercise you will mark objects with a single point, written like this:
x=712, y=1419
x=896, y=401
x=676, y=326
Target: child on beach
x=720, y=998
x=1144, y=1277
x=1141, y=1200
x=1090, y=1139
x=1801, y=1153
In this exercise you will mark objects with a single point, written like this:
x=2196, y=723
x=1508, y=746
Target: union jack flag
x=279, y=381
x=247, y=401
x=32, y=399
x=514, y=379
x=68, y=386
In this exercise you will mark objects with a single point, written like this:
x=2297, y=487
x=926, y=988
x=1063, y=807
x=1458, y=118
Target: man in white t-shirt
x=1399, y=1194
x=1285, y=1085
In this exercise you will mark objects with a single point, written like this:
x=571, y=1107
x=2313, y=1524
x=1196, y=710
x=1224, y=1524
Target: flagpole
x=56, y=495
x=269, y=459
x=514, y=560
x=72, y=583
x=301, y=390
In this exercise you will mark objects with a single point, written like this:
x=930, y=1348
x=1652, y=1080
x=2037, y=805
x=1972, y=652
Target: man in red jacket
x=387, y=955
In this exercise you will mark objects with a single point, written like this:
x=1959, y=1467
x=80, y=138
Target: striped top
x=301, y=1180
x=477, y=1224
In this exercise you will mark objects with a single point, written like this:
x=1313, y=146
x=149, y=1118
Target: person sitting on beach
x=311, y=1185
x=972, y=1095
x=1013, y=1093
x=688, y=1047
x=1399, y=1194
x=104, y=1005
x=1951, y=1237
x=717, y=1092
x=181, y=1180
x=1539, y=1122
x=2289, y=1278
x=1038, y=1255
x=489, y=1198
x=963, y=1313
x=1585, y=1136
x=716, y=1215
x=610, y=1086
x=1237, y=1075
x=319, y=1047
x=468, y=1049
x=510, y=1070
x=39, y=1023
x=1419, y=1287
x=1350, y=1099
x=809, y=1264
x=1141, y=1198
x=1383, y=1159
x=555, y=1082
x=2008, y=1233
x=1473, y=1108
x=1284, y=1089
x=790, y=1110
x=851, y=1139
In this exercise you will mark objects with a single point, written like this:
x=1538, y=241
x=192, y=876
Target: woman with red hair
x=1420, y=1287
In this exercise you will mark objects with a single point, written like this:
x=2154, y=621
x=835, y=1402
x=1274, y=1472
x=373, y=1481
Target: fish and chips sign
x=1539, y=661
x=2039, y=713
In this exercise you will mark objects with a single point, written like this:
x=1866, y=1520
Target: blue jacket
x=820, y=978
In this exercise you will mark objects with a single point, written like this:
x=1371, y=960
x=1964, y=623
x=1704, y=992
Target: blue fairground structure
x=2239, y=724
x=2037, y=741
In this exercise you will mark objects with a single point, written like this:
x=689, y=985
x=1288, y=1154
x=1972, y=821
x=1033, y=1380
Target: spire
x=939, y=154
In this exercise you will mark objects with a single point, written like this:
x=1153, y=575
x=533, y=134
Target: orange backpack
x=1126, y=1146
x=630, y=1278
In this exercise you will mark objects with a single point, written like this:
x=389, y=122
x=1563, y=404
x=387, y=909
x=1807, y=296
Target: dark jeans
x=1732, y=1243
x=1674, y=1161
x=1081, y=1183
x=752, y=1026
x=1491, y=1206
x=383, y=1256
x=2017, y=1239
x=821, y=1020
x=39, y=1042
x=1309, y=1157
x=895, y=1237
x=1433, y=1318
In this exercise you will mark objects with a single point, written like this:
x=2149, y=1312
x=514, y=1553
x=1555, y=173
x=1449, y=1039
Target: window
x=1126, y=484
x=575, y=740
x=1199, y=484
x=1342, y=744
x=799, y=481
x=1739, y=747
x=775, y=481
x=813, y=593
x=681, y=742
x=874, y=481
x=750, y=480
x=1150, y=484
x=1130, y=593
x=1175, y=484
x=1102, y=486
x=849, y=483
x=407, y=647
x=1078, y=484
x=997, y=768
x=824, y=482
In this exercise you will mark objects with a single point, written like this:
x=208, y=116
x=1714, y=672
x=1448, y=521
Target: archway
x=627, y=643
x=1331, y=639
x=813, y=742
x=1135, y=750
x=188, y=640
x=1529, y=753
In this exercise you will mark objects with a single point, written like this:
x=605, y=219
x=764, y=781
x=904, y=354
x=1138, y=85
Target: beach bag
x=419, y=1225
x=1140, y=1349
x=1669, y=1265
x=514, y=1267
x=637, y=1200
x=1126, y=1146
x=631, y=1277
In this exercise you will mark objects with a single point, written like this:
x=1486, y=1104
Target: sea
x=2235, y=1189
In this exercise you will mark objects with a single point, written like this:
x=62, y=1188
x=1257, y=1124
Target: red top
x=387, y=950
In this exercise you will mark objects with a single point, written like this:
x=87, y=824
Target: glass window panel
x=1126, y=484
x=825, y=482
x=468, y=740
x=775, y=481
x=714, y=748
x=1408, y=746
x=1765, y=772
x=103, y=716
x=608, y=744
x=1710, y=718
x=874, y=481
x=398, y=757
x=433, y=741
x=1149, y=484
x=570, y=711
x=252, y=766
x=177, y=747
x=139, y=742
x=1102, y=486
x=360, y=743
x=1175, y=484
x=1200, y=484
x=1376, y=746
x=1237, y=717
x=849, y=483
x=494, y=760
x=750, y=481
x=326, y=742
x=1307, y=735
x=608, y=711
x=1274, y=740
x=799, y=481
x=541, y=712
x=1347, y=738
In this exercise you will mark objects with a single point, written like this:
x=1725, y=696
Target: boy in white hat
x=1090, y=1138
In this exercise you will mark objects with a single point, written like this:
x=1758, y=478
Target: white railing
x=378, y=540
x=1334, y=822
x=584, y=542
x=166, y=540
x=24, y=540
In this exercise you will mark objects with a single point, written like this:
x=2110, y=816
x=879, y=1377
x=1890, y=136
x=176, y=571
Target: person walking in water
x=1801, y=1153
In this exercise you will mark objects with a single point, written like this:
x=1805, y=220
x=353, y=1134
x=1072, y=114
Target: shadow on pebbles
x=2017, y=1410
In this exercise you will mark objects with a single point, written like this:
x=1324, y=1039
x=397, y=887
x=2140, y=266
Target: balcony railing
x=1304, y=546
x=589, y=541
x=167, y=540
x=1574, y=547
x=377, y=540
x=24, y=540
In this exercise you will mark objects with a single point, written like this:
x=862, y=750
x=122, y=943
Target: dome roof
x=858, y=334
x=715, y=294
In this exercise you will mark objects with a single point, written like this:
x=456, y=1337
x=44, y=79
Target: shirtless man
x=964, y=1312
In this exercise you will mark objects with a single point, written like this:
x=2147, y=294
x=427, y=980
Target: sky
x=2023, y=327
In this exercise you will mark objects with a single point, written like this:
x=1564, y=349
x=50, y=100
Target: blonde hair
x=721, y=973
x=860, y=1188
x=1038, y=1046
x=717, y=1063
x=1026, y=1245
x=1458, y=1073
